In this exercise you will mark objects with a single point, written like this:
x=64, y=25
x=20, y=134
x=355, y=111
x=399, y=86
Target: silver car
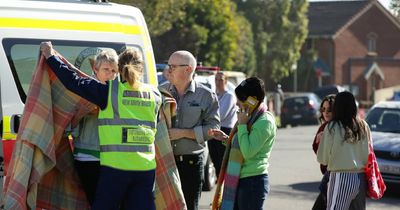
x=384, y=121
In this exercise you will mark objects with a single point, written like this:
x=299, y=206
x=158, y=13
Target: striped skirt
x=346, y=191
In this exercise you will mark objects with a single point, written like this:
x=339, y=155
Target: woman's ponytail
x=130, y=66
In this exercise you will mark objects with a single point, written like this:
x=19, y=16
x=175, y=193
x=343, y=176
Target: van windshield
x=23, y=54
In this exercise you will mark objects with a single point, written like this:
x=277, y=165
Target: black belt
x=187, y=158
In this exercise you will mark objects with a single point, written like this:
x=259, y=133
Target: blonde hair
x=130, y=66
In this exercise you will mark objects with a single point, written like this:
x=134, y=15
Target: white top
x=227, y=109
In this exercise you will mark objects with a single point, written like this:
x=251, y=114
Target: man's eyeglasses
x=173, y=66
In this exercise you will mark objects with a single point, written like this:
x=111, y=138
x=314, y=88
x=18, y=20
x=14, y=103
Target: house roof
x=327, y=17
x=373, y=68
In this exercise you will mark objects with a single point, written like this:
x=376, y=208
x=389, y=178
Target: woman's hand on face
x=218, y=134
x=243, y=115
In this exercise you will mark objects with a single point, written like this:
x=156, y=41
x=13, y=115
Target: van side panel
x=69, y=22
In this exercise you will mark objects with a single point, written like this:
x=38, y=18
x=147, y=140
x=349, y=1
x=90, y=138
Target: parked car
x=384, y=122
x=301, y=109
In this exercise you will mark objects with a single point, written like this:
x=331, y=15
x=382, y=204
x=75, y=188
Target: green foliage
x=395, y=6
x=212, y=31
x=306, y=70
x=245, y=58
x=159, y=14
x=264, y=38
x=279, y=28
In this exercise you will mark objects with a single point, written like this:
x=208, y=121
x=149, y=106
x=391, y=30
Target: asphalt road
x=294, y=175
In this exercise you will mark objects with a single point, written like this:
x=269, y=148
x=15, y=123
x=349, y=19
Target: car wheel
x=210, y=176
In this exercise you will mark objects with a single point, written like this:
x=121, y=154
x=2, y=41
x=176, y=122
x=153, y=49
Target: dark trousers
x=125, y=190
x=252, y=192
x=320, y=203
x=191, y=170
x=88, y=172
x=217, y=150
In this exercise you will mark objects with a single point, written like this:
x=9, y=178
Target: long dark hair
x=345, y=112
x=330, y=99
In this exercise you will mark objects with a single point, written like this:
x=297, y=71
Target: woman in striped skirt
x=344, y=148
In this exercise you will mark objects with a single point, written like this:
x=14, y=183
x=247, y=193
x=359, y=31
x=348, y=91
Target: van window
x=22, y=55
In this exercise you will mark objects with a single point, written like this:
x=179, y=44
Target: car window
x=296, y=101
x=22, y=55
x=384, y=120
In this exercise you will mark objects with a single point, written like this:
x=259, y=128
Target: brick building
x=357, y=45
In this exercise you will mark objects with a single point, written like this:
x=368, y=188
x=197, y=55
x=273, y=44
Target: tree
x=160, y=15
x=279, y=28
x=395, y=6
x=245, y=58
x=211, y=30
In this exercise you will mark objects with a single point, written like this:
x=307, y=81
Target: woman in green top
x=344, y=149
x=251, y=149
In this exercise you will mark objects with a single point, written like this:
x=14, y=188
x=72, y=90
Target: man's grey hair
x=108, y=56
x=186, y=58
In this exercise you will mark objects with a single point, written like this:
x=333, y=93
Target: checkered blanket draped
x=233, y=160
x=41, y=172
x=169, y=195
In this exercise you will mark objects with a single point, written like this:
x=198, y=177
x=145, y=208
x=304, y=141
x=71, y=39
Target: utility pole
x=294, y=68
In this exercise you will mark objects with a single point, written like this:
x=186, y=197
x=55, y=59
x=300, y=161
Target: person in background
x=165, y=76
x=326, y=115
x=344, y=149
x=126, y=126
x=227, y=113
x=278, y=100
x=256, y=133
x=86, y=143
x=197, y=112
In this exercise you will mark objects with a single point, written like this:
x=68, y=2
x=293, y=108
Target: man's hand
x=218, y=134
x=47, y=49
x=174, y=134
x=178, y=133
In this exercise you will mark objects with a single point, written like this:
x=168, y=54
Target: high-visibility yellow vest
x=127, y=127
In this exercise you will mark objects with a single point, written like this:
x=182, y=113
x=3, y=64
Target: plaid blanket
x=168, y=192
x=41, y=172
x=234, y=164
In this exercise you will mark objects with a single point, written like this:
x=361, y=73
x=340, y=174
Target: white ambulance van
x=77, y=29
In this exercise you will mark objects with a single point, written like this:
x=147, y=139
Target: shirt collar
x=191, y=87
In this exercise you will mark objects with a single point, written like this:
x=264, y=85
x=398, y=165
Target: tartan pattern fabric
x=41, y=172
x=235, y=161
x=168, y=191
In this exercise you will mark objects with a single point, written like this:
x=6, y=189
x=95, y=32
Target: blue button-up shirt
x=197, y=109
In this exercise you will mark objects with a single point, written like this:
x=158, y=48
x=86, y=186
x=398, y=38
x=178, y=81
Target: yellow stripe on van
x=69, y=25
x=152, y=70
x=7, y=134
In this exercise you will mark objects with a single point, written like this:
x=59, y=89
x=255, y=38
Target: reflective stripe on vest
x=126, y=122
x=126, y=148
x=127, y=133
